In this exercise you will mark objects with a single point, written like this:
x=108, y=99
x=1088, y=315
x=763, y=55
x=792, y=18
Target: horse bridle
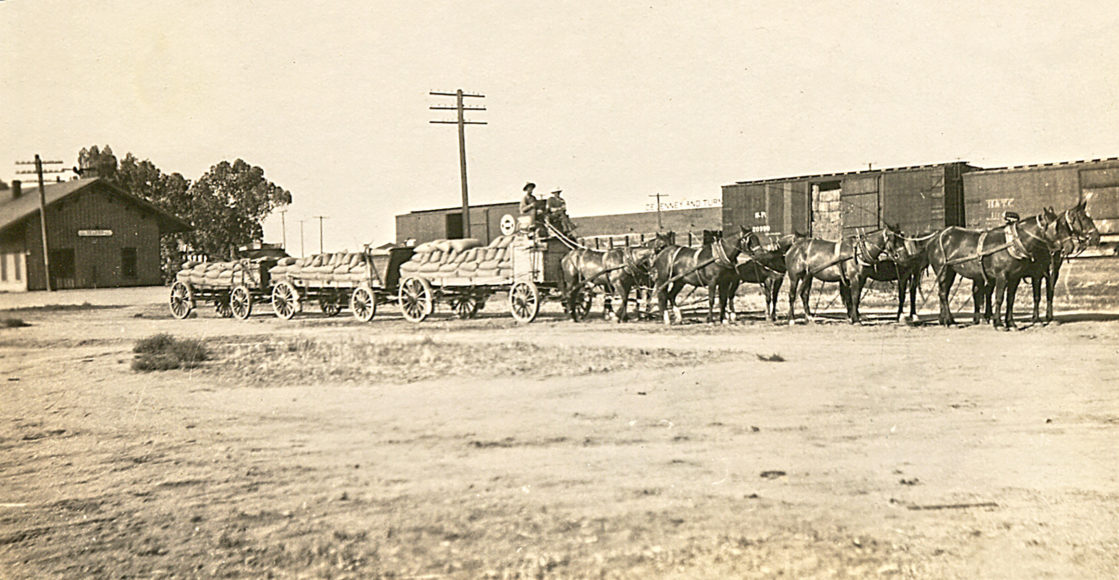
x=1049, y=245
x=860, y=245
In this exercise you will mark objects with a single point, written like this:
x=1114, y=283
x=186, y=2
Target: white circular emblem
x=508, y=225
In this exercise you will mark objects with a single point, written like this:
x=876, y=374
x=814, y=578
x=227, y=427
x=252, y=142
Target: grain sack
x=285, y=261
x=468, y=267
x=465, y=244
x=430, y=267
x=424, y=248
x=435, y=256
x=443, y=245
x=489, y=265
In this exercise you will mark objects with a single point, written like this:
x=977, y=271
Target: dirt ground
x=615, y=451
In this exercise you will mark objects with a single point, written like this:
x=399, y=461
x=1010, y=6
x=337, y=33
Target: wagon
x=232, y=295
x=360, y=286
x=535, y=273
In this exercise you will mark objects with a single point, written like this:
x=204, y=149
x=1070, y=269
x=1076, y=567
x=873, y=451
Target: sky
x=610, y=101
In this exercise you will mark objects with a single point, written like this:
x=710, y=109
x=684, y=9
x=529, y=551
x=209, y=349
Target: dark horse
x=997, y=260
x=766, y=267
x=906, y=266
x=1082, y=232
x=847, y=261
x=617, y=271
x=711, y=266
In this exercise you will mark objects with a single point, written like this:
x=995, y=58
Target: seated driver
x=557, y=213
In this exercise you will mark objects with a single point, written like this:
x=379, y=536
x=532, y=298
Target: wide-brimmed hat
x=557, y=191
x=528, y=186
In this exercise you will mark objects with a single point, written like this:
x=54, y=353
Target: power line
x=462, y=123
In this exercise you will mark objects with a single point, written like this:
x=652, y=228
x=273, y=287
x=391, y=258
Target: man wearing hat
x=532, y=209
x=557, y=213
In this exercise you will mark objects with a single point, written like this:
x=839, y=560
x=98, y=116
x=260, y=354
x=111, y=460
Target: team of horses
x=995, y=260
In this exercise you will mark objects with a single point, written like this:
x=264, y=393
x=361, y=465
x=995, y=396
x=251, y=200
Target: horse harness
x=860, y=245
x=1013, y=246
x=718, y=256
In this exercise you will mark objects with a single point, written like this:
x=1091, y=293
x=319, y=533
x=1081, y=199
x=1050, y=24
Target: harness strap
x=1016, y=249
x=979, y=250
x=721, y=254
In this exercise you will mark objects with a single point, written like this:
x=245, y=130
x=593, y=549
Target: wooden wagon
x=361, y=290
x=232, y=295
x=535, y=273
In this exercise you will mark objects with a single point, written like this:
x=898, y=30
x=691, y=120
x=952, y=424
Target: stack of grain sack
x=223, y=274
x=462, y=261
x=336, y=267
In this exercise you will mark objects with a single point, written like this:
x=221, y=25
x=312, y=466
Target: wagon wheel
x=285, y=300
x=221, y=306
x=465, y=306
x=241, y=302
x=331, y=305
x=363, y=303
x=417, y=301
x=182, y=299
x=524, y=301
x=581, y=304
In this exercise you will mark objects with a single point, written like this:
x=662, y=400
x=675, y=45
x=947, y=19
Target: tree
x=94, y=162
x=226, y=206
x=168, y=192
x=229, y=204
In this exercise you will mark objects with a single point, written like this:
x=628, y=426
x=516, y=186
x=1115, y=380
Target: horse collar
x=721, y=257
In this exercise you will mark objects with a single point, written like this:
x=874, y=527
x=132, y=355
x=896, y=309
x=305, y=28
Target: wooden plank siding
x=97, y=260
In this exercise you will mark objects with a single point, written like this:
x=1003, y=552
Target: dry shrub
x=13, y=323
x=162, y=352
x=303, y=360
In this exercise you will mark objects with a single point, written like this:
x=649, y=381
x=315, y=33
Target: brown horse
x=905, y=267
x=847, y=261
x=1081, y=232
x=711, y=266
x=766, y=267
x=617, y=271
x=996, y=260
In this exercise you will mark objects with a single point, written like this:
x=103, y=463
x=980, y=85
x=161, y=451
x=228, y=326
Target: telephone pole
x=660, y=226
x=284, y=229
x=302, y=254
x=320, y=218
x=38, y=163
x=462, y=123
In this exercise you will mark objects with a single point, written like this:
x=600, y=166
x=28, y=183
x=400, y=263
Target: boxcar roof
x=16, y=210
x=846, y=173
x=1036, y=166
x=459, y=208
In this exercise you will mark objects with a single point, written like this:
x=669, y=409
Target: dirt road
x=630, y=451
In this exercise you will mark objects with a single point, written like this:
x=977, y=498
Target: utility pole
x=462, y=123
x=284, y=229
x=320, y=218
x=302, y=254
x=38, y=163
x=660, y=226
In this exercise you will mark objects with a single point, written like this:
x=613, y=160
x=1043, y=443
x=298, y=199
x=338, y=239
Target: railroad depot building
x=98, y=235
